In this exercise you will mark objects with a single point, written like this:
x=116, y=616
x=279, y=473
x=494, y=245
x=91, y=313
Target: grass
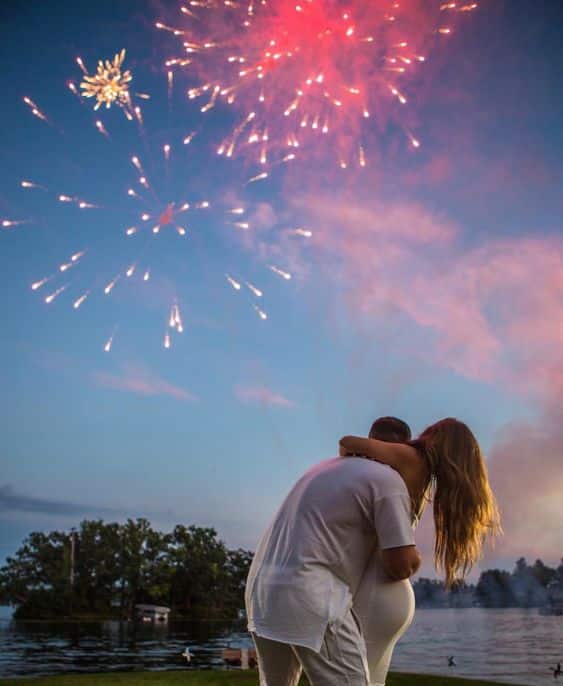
x=213, y=678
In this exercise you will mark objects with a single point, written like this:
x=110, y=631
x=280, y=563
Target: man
x=309, y=564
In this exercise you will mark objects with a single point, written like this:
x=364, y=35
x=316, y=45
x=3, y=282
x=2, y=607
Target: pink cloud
x=261, y=395
x=525, y=467
x=141, y=381
x=491, y=312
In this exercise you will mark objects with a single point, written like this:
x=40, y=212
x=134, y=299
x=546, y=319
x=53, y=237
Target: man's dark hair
x=390, y=429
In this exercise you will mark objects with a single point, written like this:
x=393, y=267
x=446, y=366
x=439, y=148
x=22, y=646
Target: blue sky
x=215, y=430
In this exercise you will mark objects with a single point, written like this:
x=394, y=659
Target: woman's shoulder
x=418, y=460
x=417, y=445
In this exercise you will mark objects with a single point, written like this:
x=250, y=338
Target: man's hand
x=400, y=563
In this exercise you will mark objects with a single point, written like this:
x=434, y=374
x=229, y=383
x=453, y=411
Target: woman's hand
x=370, y=448
x=345, y=453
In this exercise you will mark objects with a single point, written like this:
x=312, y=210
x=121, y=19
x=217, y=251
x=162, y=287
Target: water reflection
x=41, y=648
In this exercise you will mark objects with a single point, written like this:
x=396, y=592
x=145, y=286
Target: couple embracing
x=328, y=591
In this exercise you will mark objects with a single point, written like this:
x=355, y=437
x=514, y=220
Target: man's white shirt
x=310, y=561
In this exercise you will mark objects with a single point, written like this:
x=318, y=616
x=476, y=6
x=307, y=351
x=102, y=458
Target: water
x=513, y=646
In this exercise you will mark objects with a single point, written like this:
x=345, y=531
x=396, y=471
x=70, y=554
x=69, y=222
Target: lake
x=512, y=645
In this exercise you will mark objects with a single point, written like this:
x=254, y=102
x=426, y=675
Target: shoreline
x=216, y=678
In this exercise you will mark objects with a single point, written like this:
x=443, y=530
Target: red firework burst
x=308, y=74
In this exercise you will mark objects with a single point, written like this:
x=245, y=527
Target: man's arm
x=400, y=563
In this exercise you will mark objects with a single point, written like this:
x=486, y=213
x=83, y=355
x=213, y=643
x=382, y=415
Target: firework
x=109, y=85
x=310, y=74
x=156, y=220
x=158, y=214
x=159, y=234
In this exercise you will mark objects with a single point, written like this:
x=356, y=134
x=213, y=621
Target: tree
x=430, y=593
x=494, y=589
x=96, y=569
x=200, y=577
x=141, y=553
x=238, y=566
x=529, y=584
x=37, y=578
x=543, y=574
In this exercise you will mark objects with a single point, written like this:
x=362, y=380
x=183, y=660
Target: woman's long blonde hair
x=465, y=509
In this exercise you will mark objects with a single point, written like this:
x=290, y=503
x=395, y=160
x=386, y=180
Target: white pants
x=385, y=610
x=341, y=661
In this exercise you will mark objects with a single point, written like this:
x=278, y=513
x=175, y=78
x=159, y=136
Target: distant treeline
x=104, y=569
x=527, y=585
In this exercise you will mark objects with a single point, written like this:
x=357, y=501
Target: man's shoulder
x=377, y=472
x=360, y=465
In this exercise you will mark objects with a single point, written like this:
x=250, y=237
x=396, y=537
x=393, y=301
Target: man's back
x=310, y=560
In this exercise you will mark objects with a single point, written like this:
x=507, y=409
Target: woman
x=444, y=462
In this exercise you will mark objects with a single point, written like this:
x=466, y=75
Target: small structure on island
x=151, y=613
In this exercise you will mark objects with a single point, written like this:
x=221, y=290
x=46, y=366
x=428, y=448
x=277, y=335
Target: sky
x=431, y=285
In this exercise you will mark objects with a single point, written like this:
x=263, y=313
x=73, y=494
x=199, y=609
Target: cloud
x=526, y=472
x=263, y=216
x=141, y=381
x=11, y=501
x=17, y=505
x=491, y=311
x=261, y=395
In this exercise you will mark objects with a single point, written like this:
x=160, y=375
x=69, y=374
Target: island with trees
x=103, y=570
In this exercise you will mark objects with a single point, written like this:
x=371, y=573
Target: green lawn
x=213, y=678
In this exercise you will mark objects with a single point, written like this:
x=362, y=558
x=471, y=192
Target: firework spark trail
x=35, y=109
x=305, y=233
x=175, y=325
x=309, y=73
x=10, y=223
x=109, y=343
x=260, y=312
x=36, y=285
x=280, y=272
x=154, y=215
x=55, y=294
x=61, y=197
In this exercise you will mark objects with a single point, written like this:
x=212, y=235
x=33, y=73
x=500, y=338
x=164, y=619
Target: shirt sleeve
x=392, y=521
